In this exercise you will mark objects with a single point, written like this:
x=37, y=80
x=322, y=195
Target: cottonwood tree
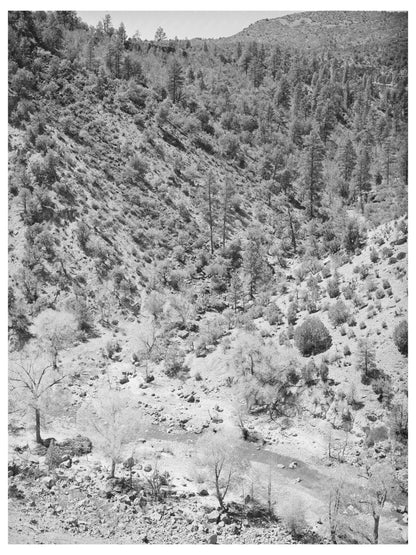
x=381, y=487
x=335, y=505
x=112, y=420
x=153, y=305
x=220, y=460
x=55, y=331
x=148, y=345
x=34, y=384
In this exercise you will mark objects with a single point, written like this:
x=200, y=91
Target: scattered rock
x=213, y=539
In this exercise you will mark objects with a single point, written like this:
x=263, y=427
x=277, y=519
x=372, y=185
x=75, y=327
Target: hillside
x=330, y=30
x=208, y=270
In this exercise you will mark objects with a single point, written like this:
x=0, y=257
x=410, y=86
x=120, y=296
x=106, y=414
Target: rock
x=203, y=492
x=76, y=446
x=124, y=380
x=233, y=529
x=225, y=518
x=190, y=399
x=213, y=516
x=212, y=539
x=67, y=463
x=405, y=518
x=48, y=481
x=293, y=465
x=279, y=465
x=298, y=480
x=148, y=468
x=401, y=509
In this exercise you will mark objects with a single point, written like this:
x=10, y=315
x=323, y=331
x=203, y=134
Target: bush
x=312, y=337
x=292, y=313
x=400, y=337
x=338, y=313
x=380, y=294
x=374, y=255
x=273, y=314
x=174, y=362
x=333, y=287
x=323, y=371
x=386, y=284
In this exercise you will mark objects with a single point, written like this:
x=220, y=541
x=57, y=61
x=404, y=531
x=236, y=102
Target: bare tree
x=112, y=420
x=55, y=331
x=334, y=509
x=222, y=462
x=381, y=486
x=32, y=377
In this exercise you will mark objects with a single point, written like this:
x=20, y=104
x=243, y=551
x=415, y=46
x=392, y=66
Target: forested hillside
x=240, y=201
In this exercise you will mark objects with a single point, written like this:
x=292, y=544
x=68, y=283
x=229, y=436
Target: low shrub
x=338, y=313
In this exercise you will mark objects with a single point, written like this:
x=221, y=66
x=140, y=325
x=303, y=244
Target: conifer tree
x=175, y=80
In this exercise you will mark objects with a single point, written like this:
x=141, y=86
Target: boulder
x=76, y=446
x=212, y=539
x=213, y=516
x=203, y=492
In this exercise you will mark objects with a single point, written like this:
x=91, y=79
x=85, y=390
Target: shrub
x=323, y=371
x=292, y=313
x=348, y=292
x=371, y=285
x=333, y=287
x=400, y=337
x=174, y=362
x=374, y=257
x=326, y=272
x=338, y=313
x=273, y=314
x=380, y=294
x=387, y=252
x=312, y=337
x=309, y=372
x=347, y=350
x=351, y=321
x=386, y=284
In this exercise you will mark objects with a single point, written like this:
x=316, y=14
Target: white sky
x=183, y=24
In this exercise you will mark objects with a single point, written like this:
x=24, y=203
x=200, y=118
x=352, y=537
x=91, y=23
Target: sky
x=204, y=24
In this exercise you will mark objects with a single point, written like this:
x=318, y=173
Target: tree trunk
x=375, y=529
x=210, y=216
x=38, y=436
x=113, y=468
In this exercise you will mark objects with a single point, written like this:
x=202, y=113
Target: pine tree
x=160, y=35
x=175, y=80
x=312, y=171
x=362, y=176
